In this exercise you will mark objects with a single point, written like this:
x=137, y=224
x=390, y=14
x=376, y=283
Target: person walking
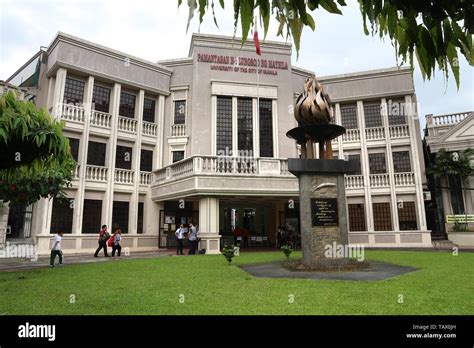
x=103, y=238
x=245, y=236
x=180, y=236
x=56, y=250
x=192, y=237
x=117, y=242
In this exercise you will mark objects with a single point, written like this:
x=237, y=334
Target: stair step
x=443, y=244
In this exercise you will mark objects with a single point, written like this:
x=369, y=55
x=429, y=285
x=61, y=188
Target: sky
x=156, y=30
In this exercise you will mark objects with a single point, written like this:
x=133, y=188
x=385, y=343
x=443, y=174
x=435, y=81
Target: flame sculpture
x=313, y=107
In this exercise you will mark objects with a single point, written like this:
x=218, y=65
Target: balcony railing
x=379, y=180
x=399, y=131
x=444, y=120
x=351, y=135
x=127, y=124
x=354, y=181
x=404, y=179
x=150, y=129
x=96, y=173
x=101, y=119
x=76, y=172
x=223, y=165
x=375, y=133
x=73, y=113
x=124, y=176
x=145, y=178
x=178, y=130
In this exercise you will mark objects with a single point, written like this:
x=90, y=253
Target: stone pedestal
x=323, y=213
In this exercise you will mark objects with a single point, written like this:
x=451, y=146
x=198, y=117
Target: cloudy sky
x=156, y=30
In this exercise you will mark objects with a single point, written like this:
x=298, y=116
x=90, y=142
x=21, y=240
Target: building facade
x=202, y=139
x=450, y=194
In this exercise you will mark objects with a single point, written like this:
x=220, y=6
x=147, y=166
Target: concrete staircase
x=443, y=244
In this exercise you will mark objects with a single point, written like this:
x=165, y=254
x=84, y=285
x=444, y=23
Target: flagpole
x=258, y=83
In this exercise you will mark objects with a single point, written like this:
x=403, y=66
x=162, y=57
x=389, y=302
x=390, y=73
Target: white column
x=415, y=141
x=59, y=92
x=235, y=127
x=214, y=126
x=276, y=149
x=255, y=126
x=390, y=168
x=160, y=141
x=82, y=159
x=364, y=164
x=133, y=206
x=110, y=158
x=209, y=225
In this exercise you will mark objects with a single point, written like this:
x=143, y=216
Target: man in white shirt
x=56, y=250
x=180, y=236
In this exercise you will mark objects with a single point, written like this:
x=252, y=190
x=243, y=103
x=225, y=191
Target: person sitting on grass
x=56, y=250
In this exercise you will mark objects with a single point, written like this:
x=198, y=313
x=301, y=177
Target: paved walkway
x=377, y=270
x=21, y=264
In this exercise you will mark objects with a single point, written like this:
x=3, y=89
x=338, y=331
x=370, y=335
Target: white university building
x=203, y=139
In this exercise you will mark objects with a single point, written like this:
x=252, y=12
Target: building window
x=407, y=216
x=357, y=158
x=149, y=110
x=140, y=218
x=96, y=153
x=120, y=216
x=180, y=112
x=123, y=157
x=373, y=117
x=92, y=215
x=178, y=156
x=74, y=145
x=382, y=217
x=377, y=163
x=61, y=217
x=266, y=128
x=244, y=124
x=74, y=91
x=349, y=116
x=401, y=162
x=396, y=112
x=356, y=217
x=101, y=98
x=224, y=125
x=146, y=161
x=127, y=105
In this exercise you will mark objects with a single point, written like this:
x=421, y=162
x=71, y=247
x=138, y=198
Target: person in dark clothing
x=193, y=239
x=103, y=237
x=117, y=242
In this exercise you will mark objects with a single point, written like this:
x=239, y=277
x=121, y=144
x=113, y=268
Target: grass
x=443, y=285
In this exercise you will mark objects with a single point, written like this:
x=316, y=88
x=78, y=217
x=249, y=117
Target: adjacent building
x=203, y=139
x=450, y=194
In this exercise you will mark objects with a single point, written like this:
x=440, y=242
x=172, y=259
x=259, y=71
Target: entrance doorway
x=19, y=221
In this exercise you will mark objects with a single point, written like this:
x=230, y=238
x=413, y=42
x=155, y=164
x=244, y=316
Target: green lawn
x=443, y=285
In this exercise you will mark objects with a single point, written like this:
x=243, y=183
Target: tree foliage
x=433, y=31
x=447, y=163
x=35, y=157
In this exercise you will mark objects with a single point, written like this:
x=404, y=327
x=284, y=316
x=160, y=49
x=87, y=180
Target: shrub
x=287, y=250
x=228, y=252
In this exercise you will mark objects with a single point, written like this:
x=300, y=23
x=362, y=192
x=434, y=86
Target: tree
x=455, y=167
x=35, y=157
x=434, y=30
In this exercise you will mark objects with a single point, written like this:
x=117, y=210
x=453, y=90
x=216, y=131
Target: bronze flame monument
x=323, y=212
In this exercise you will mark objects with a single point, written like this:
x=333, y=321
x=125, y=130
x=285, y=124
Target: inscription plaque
x=324, y=212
